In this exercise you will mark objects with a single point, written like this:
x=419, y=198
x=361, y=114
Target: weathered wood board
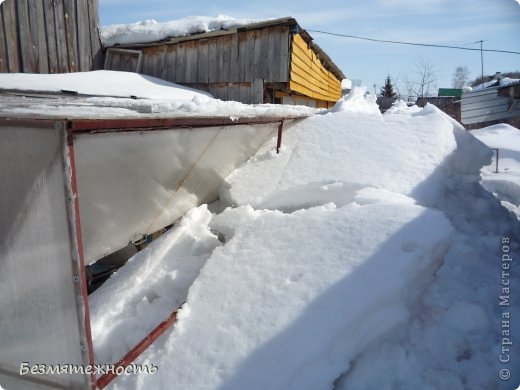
x=49, y=36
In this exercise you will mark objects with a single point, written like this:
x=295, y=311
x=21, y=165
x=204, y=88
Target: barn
x=274, y=61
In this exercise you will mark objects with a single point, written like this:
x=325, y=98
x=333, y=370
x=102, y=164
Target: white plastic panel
x=41, y=311
x=134, y=183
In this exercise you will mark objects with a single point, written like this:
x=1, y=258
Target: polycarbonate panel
x=134, y=183
x=41, y=311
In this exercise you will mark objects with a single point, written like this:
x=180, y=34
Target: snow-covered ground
x=152, y=31
x=366, y=255
x=505, y=183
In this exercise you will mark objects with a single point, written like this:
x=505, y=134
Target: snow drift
x=364, y=247
x=505, y=183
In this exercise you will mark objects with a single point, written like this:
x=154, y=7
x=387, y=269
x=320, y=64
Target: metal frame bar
x=126, y=360
x=76, y=223
x=92, y=126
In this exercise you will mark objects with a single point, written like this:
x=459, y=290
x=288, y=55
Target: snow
x=357, y=101
x=346, y=84
x=150, y=284
x=101, y=83
x=152, y=31
x=502, y=82
x=109, y=94
x=505, y=183
x=364, y=256
x=402, y=107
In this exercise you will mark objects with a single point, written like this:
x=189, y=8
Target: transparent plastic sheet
x=135, y=182
x=41, y=311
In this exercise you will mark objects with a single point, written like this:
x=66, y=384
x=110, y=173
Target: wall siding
x=309, y=76
x=231, y=67
x=49, y=36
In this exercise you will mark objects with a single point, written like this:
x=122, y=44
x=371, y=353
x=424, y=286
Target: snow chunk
x=152, y=31
x=357, y=101
x=149, y=287
x=346, y=84
x=285, y=290
x=401, y=107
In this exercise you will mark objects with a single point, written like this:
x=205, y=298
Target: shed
x=274, y=61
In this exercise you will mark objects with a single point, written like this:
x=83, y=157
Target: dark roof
x=456, y=92
x=287, y=21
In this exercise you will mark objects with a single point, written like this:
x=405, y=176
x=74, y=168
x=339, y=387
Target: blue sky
x=449, y=22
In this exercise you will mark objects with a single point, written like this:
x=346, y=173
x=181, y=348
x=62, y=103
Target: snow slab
x=114, y=94
x=366, y=246
x=101, y=83
x=505, y=183
x=151, y=31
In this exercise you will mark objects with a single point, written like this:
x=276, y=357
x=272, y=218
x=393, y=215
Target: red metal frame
x=75, y=126
x=140, y=124
x=104, y=380
x=79, y=239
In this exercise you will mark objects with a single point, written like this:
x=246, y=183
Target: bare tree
x=425, y=77
x=460, y=77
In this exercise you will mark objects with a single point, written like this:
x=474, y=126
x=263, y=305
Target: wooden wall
x=49, y=36
x=235, y=66
x=309, y=76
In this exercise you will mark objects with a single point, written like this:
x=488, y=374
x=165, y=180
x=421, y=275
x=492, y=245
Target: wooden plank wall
x=49, y=36
x=231, y=67
x=309, y=76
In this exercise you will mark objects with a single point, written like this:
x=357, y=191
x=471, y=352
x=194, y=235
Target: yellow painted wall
x=308, y=75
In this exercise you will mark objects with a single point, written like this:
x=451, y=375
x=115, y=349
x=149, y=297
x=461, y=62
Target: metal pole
x=496, y=160
x=279, y=140
x=482, y=60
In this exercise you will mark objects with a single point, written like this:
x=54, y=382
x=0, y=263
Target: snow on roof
x=107, y=94
x=152, y=31
x=100, y=83
x=501, y=82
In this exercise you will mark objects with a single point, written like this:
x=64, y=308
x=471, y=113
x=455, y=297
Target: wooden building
x=49, y=36
x=268, y=62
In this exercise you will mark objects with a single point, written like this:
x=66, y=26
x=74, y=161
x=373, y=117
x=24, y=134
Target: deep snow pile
x=125, y=94
x=152, y=31
x=364, y=256
x=505, y=183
